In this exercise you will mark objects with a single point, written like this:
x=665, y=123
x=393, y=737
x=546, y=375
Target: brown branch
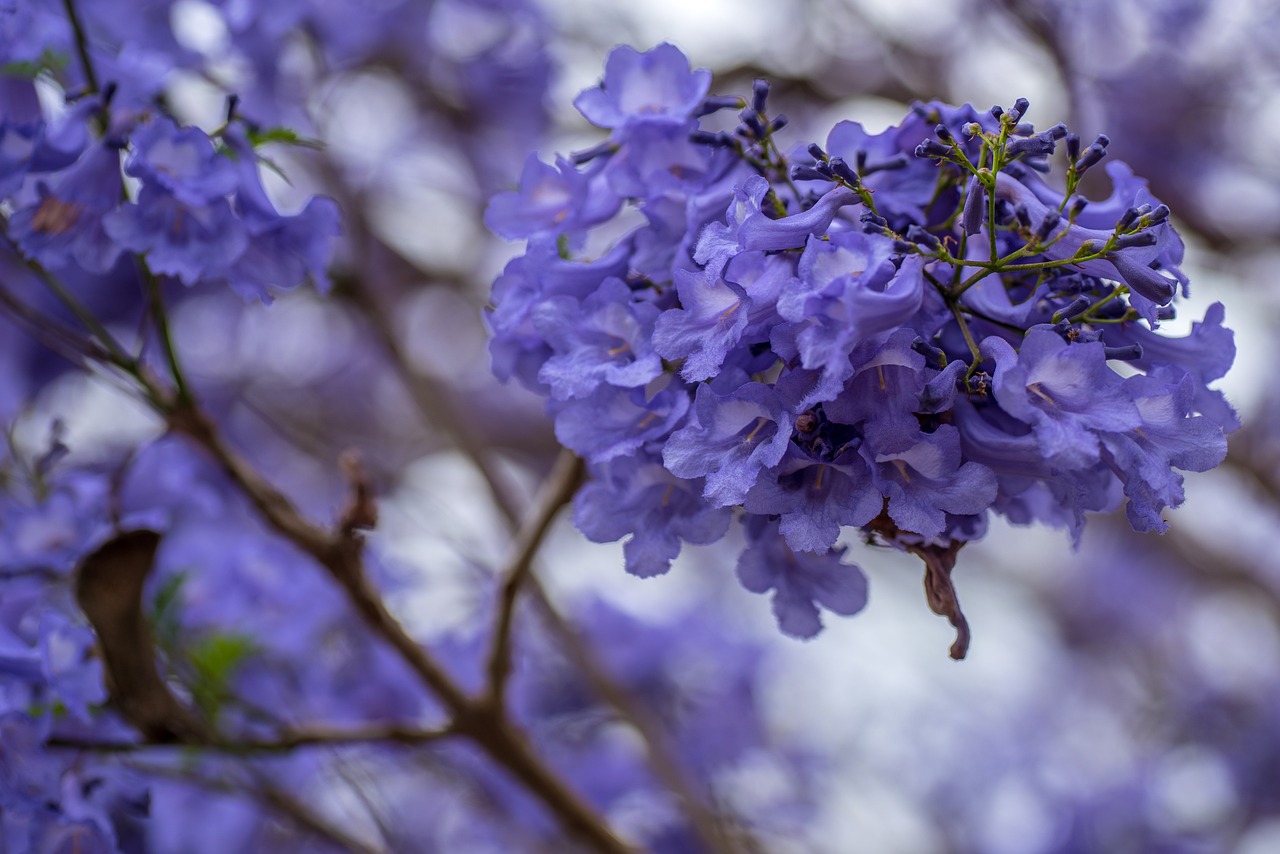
x=269, y=793
x=557, y=491
x=706, y=825
x=341, y=556
x=283, y=743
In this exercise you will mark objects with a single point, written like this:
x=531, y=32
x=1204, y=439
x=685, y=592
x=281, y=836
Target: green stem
x=161, y=318
x=82, y=45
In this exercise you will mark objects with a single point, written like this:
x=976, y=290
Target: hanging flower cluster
x=899, y=332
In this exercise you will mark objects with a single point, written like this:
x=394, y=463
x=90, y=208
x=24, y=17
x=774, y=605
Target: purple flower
x=729, y=439
x=801, y=582
x=182, y=162
x=640, y=88
x=612, y=422
x=929, y=480
x=637, y=496
x=814, y=498
x=551, y=200
x=1064, y=391
x=280, y=251
x=66, y=222
x=608, y=338
x=190, y=244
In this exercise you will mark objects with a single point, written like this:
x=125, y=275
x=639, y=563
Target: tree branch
x=283, y=743
x=557, y=491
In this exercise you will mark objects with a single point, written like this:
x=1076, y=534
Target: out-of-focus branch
x=342, y=557
x=557, y=491
x=283, y=743
x=279, y=800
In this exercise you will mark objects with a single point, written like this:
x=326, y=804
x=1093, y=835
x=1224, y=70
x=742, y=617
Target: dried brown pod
x=108, y=587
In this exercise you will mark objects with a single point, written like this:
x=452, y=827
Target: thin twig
x=268, y=793
x=82, y=45
x=706, y=825
x=557, y=491
x=283, y=743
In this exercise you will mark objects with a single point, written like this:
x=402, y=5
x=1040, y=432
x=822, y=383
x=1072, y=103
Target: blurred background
x=1124, y=696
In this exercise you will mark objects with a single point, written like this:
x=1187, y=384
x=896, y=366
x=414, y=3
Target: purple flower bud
x=718, y=139
x=842, y=171
x=1137, y=238
x=1019, y=110
x=1047, y=225
x=974, y=206
x=1073, y=308
x=801, y=172
x=759, y=94
x=932, y=148
x=715, y=103
x=924, y=238
x=1126, y=353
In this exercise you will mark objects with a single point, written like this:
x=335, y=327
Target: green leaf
x=282, y=135
x=28, y=69
x=215, y=660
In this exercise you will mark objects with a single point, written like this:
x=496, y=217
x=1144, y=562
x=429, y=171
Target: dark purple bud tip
x=924, y=238
x=109, y=94
x=816, y=152
x=933, y=355
x=751, y=119
x=972, y=129
x=971, y=215
x=233, y=104
x=1071, y=309
x=1102, y=139
x=1023, y=215
x=1158, y=215
x=715, y=140
x=1032, y=146
x=997, y=111
x=1077, y=206
x=1024, y=129
x=1129, y=218
x=902, y=247
x=1127, y=353
x=1073, y=147
x=779, y=122
x=932, y=148
x=842, y=171
x=1091, y=156
x=759, y=94
x=860, y=162
x=1047, y=225
x=715, y=103
x=1019, y=110
x=943, y=133
x=1058, y=131
x=801, y=172
x=874, y=220
x=1166, y=312
x=1137, y=238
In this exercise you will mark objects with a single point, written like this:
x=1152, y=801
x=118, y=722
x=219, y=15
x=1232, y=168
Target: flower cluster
x=900, y=332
